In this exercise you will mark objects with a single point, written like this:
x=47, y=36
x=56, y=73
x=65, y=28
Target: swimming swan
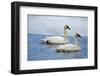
x=57, y=39
x=70, y=47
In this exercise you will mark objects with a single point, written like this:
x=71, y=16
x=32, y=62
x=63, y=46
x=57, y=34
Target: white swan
x=70, y=47
x=57, y=39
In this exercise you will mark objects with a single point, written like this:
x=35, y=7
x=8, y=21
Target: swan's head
x=67, y=27
x=77, y=35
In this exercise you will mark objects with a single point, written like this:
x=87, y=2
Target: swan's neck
x=65, y=34
x=76, y=42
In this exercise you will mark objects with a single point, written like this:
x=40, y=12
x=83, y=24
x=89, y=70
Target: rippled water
x=38, y=51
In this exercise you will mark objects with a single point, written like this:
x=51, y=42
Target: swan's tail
x=43, y=41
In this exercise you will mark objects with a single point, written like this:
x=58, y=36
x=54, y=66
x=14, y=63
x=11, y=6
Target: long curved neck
x=65, y=34
x=76, y=42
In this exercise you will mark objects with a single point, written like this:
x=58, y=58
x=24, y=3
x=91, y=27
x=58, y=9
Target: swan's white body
x=69, y=47
x=55, y=40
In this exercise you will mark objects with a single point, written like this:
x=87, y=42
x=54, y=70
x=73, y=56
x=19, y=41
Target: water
x=38, y=51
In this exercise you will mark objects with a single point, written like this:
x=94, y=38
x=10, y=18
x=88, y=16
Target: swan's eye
x=68, y=27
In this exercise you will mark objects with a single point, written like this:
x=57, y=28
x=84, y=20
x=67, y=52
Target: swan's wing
x=71, y=47
x=54, y=39
x=68, y=47
x=60, y=39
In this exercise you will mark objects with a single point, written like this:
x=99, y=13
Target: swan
x=70, y=47
x=57, y=39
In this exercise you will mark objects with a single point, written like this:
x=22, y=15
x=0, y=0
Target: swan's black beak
x=78, y=35
x=68, y=28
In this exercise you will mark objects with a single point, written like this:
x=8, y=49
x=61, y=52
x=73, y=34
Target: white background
x=5, y=39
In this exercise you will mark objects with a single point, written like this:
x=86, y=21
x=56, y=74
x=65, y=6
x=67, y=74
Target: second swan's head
x=77, y=35
x=67, y=27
